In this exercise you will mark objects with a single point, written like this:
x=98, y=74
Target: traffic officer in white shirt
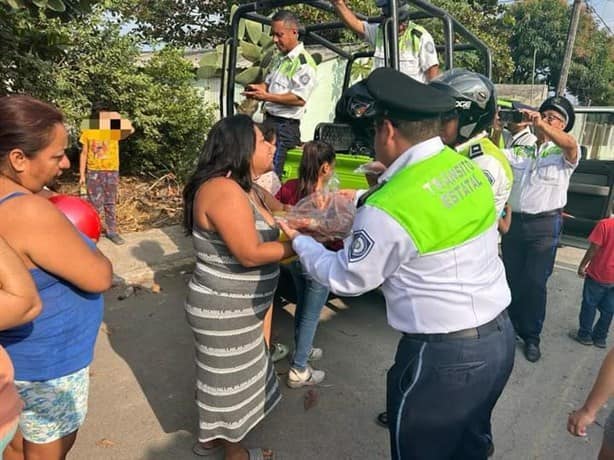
x=466, y=129
x=287, y=86
x=417, y=53
x=539, y=193
x=427, y=234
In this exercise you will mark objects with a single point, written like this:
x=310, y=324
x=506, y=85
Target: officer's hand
x=348, y=193
x=256, y=87
x=533, y=117
x=290, y=232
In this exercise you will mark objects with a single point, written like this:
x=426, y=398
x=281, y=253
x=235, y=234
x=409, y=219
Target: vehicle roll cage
x=312, y=33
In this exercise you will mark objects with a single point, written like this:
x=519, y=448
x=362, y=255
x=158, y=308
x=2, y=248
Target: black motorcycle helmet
x=476, y=100
x=356, y=103
x=561, y=105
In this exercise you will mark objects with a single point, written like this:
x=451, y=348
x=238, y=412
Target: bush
x=74, y=63
x=170, y=117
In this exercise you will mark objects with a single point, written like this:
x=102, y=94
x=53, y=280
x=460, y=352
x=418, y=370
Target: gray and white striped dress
x=236, y=383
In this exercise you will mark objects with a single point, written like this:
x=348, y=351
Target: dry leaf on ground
x=311, y=399
x=104, y=442
x=143, y=203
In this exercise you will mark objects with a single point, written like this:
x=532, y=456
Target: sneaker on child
x=307, y=377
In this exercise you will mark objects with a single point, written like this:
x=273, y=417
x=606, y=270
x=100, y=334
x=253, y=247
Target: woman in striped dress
x=237, y=252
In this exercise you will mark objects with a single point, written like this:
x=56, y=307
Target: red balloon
x=81, y=213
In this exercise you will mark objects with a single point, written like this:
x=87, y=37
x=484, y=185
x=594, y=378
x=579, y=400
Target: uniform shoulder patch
x=417, y=32
x=304, y=79
x=475, y=151
x=489, y=176
x=430, y=47
x=361, y=246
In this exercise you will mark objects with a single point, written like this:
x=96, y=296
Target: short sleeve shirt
x=601, y=268
x=414, y=60
x=495, y=167
x=294, y=73
x=541, y=177
x=102, y=148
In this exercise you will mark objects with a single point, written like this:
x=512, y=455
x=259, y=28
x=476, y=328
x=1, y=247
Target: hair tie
x=228, y=174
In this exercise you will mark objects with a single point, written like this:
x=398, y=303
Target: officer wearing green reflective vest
x=417, y=53
x=427, y=234
x=287, y=86
x=466, y=128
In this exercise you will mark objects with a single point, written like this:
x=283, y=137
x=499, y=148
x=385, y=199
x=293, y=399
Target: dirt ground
x=144, y=202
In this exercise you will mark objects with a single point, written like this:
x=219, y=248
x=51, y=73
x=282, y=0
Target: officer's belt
x=471, y=333
x=281, y=119
x=525, y=215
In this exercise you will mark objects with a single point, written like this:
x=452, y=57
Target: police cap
x=563, y=106
x=399, y=96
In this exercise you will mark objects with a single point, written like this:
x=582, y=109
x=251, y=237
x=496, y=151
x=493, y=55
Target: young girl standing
x=316, y=169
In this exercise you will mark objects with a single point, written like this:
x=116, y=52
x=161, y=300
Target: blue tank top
x=61, y=339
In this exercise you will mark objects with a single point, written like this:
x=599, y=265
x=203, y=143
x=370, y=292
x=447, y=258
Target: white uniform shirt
x=300, y=84
x=540, y=184
x=410, y=63
x=448, y=291
x=500, y=184
x=523, y=137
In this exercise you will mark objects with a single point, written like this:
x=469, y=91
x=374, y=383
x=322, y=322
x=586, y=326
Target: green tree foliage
x=541, y=26
x=76, y=62
x=591, y=76
x=61, y=8
x=170, y=114
x=186, y=23
x=538, y=26
x=484, y=19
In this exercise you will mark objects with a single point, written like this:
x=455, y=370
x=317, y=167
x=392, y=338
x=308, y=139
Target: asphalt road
x=141, y=394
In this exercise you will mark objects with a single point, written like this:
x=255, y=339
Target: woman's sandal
x=260, y=454
x=382, y=419
x=278, y=351
x=211, y=453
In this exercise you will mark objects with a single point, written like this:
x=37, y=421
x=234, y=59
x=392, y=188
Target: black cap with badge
x=399, y=96
x=563, y=106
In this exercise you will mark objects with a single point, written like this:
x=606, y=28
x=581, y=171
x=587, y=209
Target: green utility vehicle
x=456, y=39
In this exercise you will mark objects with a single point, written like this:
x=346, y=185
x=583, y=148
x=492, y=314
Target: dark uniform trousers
x=529, y=249
x=288, y=137
x=441, y=391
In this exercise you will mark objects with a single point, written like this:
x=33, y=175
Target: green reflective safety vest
x=530, y=151
x=289, y=66
x=486, y=147
x=412, y=35
x=442, y=201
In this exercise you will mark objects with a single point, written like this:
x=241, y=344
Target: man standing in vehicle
x=287, y=86
x=417, y=54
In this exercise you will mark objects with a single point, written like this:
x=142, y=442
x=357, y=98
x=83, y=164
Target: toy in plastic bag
x=325, y=216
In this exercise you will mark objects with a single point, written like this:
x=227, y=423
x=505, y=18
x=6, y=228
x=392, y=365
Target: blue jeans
x=596, y=296
x=288, y=137
x=310, y=299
